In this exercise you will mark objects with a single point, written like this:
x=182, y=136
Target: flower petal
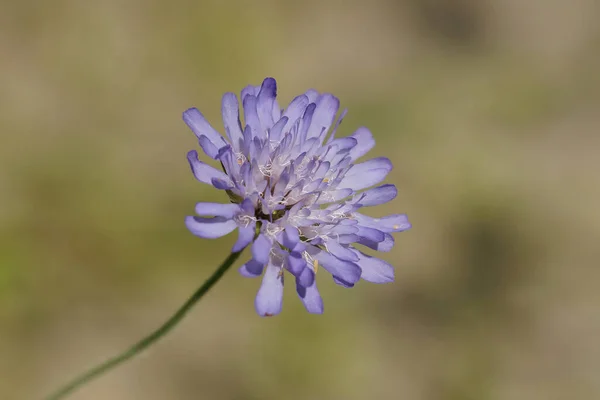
x=376, y=196
x=390, y=223
x=327, y=108
x=261, y=248
x=366, y=174
x=310, y=298
x=269, y=299
x=217, y=210
x=346, y=270
x=245, y=236
x=210, y=228
x=230, y=109
x=341, y=252
x=341, y=282
x=374, y=269
x=365, y=142
x=265, y=100
x=296, y=263
x=204, y=172
x=201, y=128
x=251, y=269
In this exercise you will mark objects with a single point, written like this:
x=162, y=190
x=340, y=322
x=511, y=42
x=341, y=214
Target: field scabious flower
x=295, y=190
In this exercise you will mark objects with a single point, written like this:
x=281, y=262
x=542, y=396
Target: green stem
x=148, y=340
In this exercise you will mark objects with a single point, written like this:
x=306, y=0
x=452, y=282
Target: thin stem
x=148, y=340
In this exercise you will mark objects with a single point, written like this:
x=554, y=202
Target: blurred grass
x=488, y=111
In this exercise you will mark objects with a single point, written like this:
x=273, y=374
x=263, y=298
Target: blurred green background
x=489, y=110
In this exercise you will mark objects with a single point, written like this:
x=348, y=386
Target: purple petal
x=261, y=248
x=217, y=210
x=365, y=142
x=291, y=237
x=346, y=270
x=341, y=252
x=341, y=282
x=230, y=110
x=220, y=184
x=310, y=298
x=366, y=174
x=208, y=147
x=269, y=299
x=375, y=270
x=296, y=263
x=201, y=128
x=265, y=100
x=210, y=228
x=205, y=173
x=377, y=196
x=251, y=116
x=251, y=269
x=306, y=277
x=295, y=109
x=390, y=223
x=327, y=108
x=245, y=236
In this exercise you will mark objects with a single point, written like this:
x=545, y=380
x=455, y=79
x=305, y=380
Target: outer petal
x=376, y=196
x=365, y=142
x=245, y=236
x=261, y=249
x=201, y=128
x=251, y=269
x=269, y=299
x=375, y=270
x=346, y=270
x=341, y=282
x=310, y=298
x=231, y=119
x=218, y=210
x=390, y=223
x=327, y=107
x=368, y=173
x=265, y=100
x=205, y=173
x=210, y=228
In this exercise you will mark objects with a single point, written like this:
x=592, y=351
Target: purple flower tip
x=295, y=192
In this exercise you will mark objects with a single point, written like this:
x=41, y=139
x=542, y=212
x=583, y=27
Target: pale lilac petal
x=346, y=270
x=245, y=236
x=310, y=297
x=205, y=173
x=366, y=174
x=342, y=282
x=374, y=269
x=261, y=249
x=201, y=128
x=217, y=210
x=251, y=116
x=251, y=269
x=210, y=228
x=323, y=117
x=265, y=100
x=388, y=224
x=341, y=252
x=269, y=299
x=365, y=142
x=231, y=119
x=365, y=180
x=296, y=263
x=376, y=196
x=306, y=278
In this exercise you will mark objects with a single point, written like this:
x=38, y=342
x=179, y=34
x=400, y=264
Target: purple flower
x=295, y=191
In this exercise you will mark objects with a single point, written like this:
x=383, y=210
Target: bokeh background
x=489, y=110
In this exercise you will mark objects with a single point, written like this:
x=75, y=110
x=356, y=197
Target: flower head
x=295, y=190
